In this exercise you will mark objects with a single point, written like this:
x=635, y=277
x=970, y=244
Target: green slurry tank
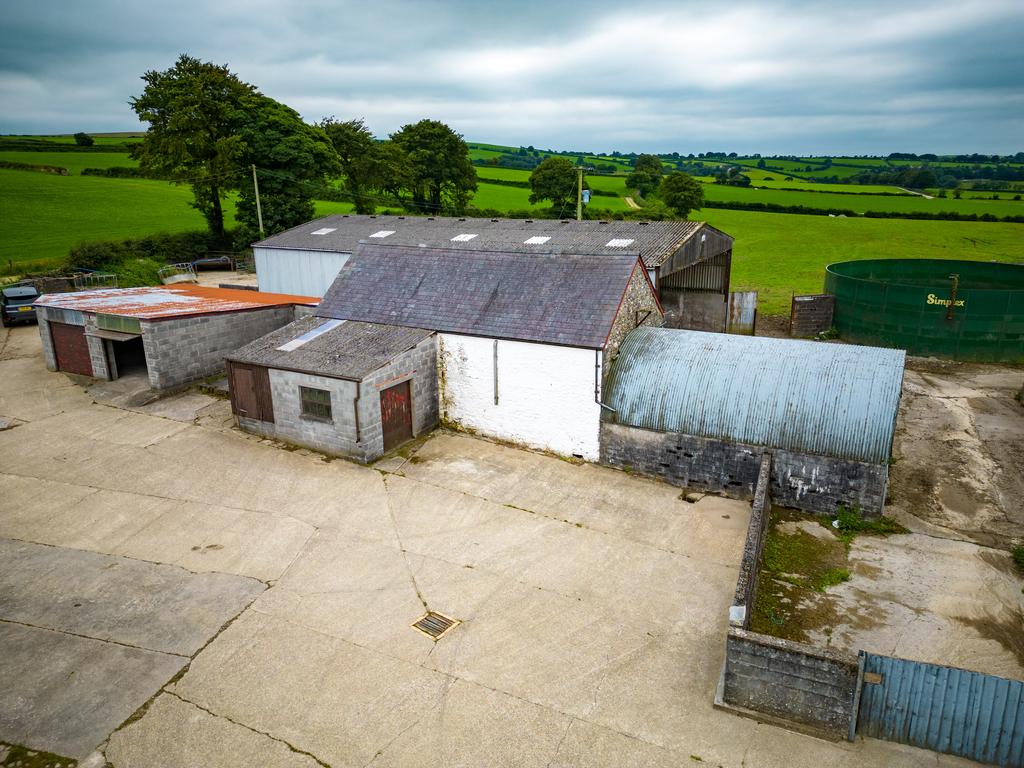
x=964, y=310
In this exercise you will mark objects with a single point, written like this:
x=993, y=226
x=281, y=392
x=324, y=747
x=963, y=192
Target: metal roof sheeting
x=167, y=301
x=655, y=241
x=826, y=399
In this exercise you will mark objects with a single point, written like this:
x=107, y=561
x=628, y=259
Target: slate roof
x=351, y=351
x=654, y=241
x=566, y=299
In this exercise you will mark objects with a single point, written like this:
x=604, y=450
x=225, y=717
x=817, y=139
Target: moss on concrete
x=17, y=756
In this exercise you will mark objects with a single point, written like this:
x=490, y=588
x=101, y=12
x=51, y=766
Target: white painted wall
x=299, y=272
x=545, y=393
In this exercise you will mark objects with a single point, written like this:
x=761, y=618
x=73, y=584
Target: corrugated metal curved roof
x=826, y=399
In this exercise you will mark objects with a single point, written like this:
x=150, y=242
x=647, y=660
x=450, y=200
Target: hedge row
x=11, y=165
x=810, y=210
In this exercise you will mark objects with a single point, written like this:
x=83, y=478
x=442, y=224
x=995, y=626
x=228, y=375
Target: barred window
x=316, y=403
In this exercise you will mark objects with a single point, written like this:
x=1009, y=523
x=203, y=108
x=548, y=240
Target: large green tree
x=681, y=193
x=646, y=175
x=293, y=160
x=554, y=179
x=440, y=175
x=192, y=110
x=363, y=162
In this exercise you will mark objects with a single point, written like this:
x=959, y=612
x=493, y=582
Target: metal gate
x=944, y=709
x=742, y=313
x=396, y=415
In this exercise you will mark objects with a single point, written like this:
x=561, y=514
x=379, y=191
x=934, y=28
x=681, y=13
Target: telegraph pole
x=259, y=210
x=579, y=193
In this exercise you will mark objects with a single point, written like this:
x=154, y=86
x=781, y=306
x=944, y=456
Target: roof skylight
x=324, y=230
x=308, y=336
x=383, y=233
x=463, y=238
x=618, y=242
x=536, y=240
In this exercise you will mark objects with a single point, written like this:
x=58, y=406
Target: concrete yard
x=254, y=603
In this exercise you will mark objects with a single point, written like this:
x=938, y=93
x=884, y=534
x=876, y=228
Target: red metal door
x=396, y=415
x=71, y=348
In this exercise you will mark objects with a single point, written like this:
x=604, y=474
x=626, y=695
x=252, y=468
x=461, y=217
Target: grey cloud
x=787, y=77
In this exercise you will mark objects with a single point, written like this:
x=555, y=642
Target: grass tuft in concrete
x=1017, y=553
x=12, y=755
x=851, y=525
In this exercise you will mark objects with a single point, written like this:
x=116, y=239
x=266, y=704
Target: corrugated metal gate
x=944, y=709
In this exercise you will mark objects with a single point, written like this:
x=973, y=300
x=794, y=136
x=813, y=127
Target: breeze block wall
x=343, y=436
x=812, y=687
x=184, y=349
x=811, y=483
x=418, y=366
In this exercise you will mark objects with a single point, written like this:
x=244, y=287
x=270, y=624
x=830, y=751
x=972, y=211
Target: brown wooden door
x=71, y=348
x=396, y=415
x=249, y=388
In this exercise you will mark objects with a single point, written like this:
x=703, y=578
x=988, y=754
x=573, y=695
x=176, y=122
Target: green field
x=781, y=254
x=73, y=161
x=42, y=216
x=863, y=203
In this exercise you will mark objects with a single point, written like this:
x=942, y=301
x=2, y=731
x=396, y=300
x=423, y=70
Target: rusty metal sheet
x=165, y=301
x=742, y=313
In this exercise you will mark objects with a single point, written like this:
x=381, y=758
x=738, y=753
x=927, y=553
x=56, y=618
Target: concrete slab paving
x=144, y=605
x=64, y=694
x=593, y=603
x=175, y=733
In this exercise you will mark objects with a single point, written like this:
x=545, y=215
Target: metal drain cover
x=434, y=624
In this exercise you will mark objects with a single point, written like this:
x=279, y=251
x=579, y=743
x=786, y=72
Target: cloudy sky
x=771, y=77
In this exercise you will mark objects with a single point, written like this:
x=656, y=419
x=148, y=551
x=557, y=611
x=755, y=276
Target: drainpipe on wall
x=597, y=382
x=355, y=407
x=495, y=371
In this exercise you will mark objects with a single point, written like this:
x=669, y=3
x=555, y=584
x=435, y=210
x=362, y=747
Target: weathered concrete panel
x=811, y=686
x=801, y=481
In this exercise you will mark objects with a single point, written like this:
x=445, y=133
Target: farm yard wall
x=695, y=310
x=339, y=436
x=812, y=687
x=812, y=483
x=545, y=393
x=188, y=348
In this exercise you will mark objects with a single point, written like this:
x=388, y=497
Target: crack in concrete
x=270, y=736
x=90, y=637
x=401, y=546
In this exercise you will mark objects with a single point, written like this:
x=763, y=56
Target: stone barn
x=700, y=409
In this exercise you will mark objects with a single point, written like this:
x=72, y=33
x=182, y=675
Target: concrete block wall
x=46, y=315
x=185, y=349
x=813, y=687
x=695, y=310
x=339, y=436
x=753, y=548
x=811, y=483
x=417, y=366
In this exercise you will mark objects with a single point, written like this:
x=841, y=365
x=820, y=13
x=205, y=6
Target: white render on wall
x=298, y=272
x=545, y=392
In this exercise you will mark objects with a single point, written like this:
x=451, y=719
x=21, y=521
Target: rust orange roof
x=166, y=301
